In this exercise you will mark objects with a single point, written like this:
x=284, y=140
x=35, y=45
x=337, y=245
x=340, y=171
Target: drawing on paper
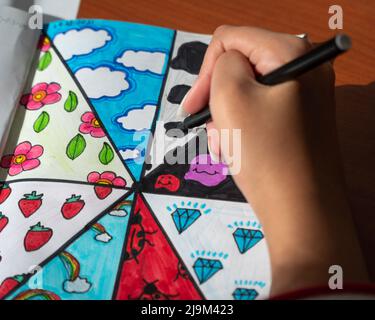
x=84, y=194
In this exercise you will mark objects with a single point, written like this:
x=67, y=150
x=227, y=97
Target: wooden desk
x=355, y=71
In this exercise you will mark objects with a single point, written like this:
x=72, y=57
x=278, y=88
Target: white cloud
x=119, y=213
x=102, y=82
x=78, y=285
x=78, y=42
x=138, y=119
x=143, y=60
x=103, y=237
x=130, y=154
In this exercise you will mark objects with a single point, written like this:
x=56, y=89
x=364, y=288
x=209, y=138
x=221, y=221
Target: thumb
x=232, y=81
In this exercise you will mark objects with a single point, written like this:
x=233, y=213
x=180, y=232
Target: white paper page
x=52, y=9
x=15, y=59
x=17, y=54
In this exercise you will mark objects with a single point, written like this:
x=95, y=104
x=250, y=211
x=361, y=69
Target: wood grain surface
x=355, y=71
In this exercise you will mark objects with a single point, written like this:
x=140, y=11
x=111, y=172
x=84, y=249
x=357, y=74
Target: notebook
x=92, y=207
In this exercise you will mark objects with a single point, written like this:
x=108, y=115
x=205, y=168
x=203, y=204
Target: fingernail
x=181, y=113
x=213, y=155
x=302, y=36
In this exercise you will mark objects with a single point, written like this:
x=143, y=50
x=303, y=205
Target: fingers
x=213, y=140
x=232, y=82
x=198, y=96
x=265, y=51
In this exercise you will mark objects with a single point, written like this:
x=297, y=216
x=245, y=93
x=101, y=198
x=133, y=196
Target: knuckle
x=293, y=47
x=220, y=30
x=302, y=46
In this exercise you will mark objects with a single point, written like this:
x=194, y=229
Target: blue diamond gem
x=206, y=268
x=245, y=294
x=184, y=218
x=247, y=238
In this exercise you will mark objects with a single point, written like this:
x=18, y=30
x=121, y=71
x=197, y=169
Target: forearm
x=308, y=227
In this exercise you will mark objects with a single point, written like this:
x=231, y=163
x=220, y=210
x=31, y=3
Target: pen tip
x=343, y=42
x=181, y=126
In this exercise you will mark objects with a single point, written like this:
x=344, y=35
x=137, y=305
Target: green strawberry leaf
x=33, y=196
x=45, y=61
x=73, y=199
x=71, y=102
x=39, y=228
x=42, y=122
x=19, y=278
x=106, y=155
x=76, y=147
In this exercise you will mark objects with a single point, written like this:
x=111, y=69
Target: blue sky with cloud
x=122, y=71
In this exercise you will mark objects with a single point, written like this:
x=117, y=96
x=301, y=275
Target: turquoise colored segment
x=144, y=86
x=98, y=262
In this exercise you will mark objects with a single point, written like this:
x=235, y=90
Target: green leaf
x=71, y=102
x=42, y=122
x=106, y=155
x=76, y=147
x=45, y=61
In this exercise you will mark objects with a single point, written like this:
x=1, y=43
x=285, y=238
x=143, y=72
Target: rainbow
x=37, y=293
x=99, y=228
x=71, y=264
x=122, y=204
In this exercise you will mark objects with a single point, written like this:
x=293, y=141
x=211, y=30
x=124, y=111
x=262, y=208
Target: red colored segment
x=9, y=284
x=5, y=192
x=151, y=270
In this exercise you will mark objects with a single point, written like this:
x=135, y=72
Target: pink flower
x=105, y=181
x=41, y=94
x=91, y=125
x=24, y=158
x=44, y=44
x=106, y=178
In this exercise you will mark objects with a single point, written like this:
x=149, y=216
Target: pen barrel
x=197, y=119
x=317, y=56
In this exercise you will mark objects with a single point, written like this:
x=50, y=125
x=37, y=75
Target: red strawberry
x=5, y=192
x=37, y=237
x=3, y=221
x=30, y=204
x=102, y=192
x=9, y=284
x=72, y=207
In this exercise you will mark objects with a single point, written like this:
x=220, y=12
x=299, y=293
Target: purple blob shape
x=207, y=172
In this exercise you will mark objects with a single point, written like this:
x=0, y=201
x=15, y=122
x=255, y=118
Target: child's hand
x=290, y=167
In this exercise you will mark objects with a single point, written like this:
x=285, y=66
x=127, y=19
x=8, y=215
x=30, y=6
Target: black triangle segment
x=183, y=179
